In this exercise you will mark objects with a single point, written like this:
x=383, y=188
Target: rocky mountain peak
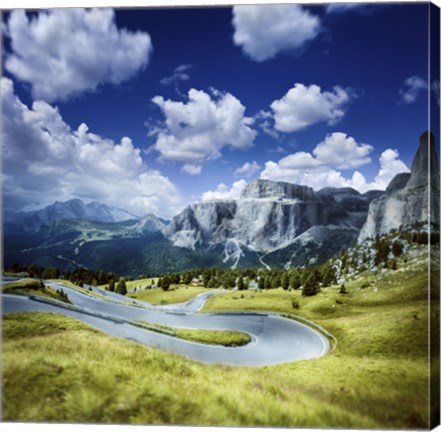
x=407, y=200
x=277, y=190
x=424, y=162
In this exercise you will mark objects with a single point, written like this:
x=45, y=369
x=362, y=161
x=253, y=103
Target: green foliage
x=112, y=285
x=328, y=273
x=285, y=281
x=295, y=304
x=343, y=289
x=382, y=249
x=397, y=248
x=310, y=287
x=240, y=284
x=294, y=280
x=121, y=287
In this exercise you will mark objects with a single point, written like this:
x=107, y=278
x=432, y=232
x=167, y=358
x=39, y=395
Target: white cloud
x=179, y=74
x=342, y=151
x=344, y=7
x=413, y=87
x=337, y=150
x=247, y=169
x=197, y=130
x=390, y=166
x=45, y=160
x=321, y=167
x=265, y=30
x=303, y=106
x=64, y=52
x=192, y=169
x=223, y=193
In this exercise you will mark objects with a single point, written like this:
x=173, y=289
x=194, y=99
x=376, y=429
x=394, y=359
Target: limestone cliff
x=268, y=215
x=408, y=199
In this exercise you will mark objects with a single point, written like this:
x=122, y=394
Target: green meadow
x=56, y=369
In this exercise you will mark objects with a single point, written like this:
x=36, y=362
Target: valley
x=285, y=297
x=69, y=363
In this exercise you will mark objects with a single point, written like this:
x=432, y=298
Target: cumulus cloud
x=197, y=130
x=262, y=31
x=64, y=52
x=337, y=152
x=179, y=74
x=223, y=193
x=247, y=169
x=45, y=160
x=303, y=106
x=413, y=87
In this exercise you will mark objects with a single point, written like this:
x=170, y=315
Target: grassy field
x=176, y=294
x=211, y=337
x=32, y=287
x=55, y=369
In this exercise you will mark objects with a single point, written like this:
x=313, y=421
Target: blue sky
x=150, y=109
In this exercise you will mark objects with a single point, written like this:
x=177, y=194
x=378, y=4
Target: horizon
x=329, y=103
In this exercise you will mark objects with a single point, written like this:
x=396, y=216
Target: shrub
x=295, y=304
x=343, y=289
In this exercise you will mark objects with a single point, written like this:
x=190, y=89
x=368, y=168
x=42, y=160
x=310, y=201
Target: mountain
x=72, y=209
x=272, y=224
x=408, y=197
x=270, y=216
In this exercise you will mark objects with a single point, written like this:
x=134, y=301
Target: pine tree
x=112, y=285
x=285, y=281
x=240, y=284
x=310, y=287
x=166, y=281
x=294, y=281
x=121, y=287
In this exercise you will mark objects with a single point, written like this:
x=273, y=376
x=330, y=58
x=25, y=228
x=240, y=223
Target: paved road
x=275, y=339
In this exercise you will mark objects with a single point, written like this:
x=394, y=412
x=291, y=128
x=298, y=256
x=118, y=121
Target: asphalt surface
x=275, y=340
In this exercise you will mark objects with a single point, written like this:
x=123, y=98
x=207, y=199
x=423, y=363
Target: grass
x=141, y=283
x=211, y=337
x=55, y=369
x=32, y=287
x=176, y=294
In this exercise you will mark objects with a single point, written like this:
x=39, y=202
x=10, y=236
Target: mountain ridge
x=71, y=209
x=271, y=224
x=408, y=198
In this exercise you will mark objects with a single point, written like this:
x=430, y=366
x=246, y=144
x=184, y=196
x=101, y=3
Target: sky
x=151, y=109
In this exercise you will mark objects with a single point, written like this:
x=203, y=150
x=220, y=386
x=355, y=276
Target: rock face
x=408, y=199
x=267, y=216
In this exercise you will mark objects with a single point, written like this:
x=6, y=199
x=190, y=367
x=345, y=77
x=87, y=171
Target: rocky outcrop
x=267, y=216
x=408, y=199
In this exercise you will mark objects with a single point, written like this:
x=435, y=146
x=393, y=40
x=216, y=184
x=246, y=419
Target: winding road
x=275, y=339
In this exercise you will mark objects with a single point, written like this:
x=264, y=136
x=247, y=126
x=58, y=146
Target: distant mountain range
x=272, y=224
x=72, y=209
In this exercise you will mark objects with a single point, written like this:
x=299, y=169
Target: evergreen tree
x=112, y=285
x=121, y=287
x=397, y=248
x=343, y=289
x=310, y=287
x=382, y=251
x=294, y=281
x=285, y=281
x=328, y=277
x=261, y=283
x=166, y=281
x=240, y=284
